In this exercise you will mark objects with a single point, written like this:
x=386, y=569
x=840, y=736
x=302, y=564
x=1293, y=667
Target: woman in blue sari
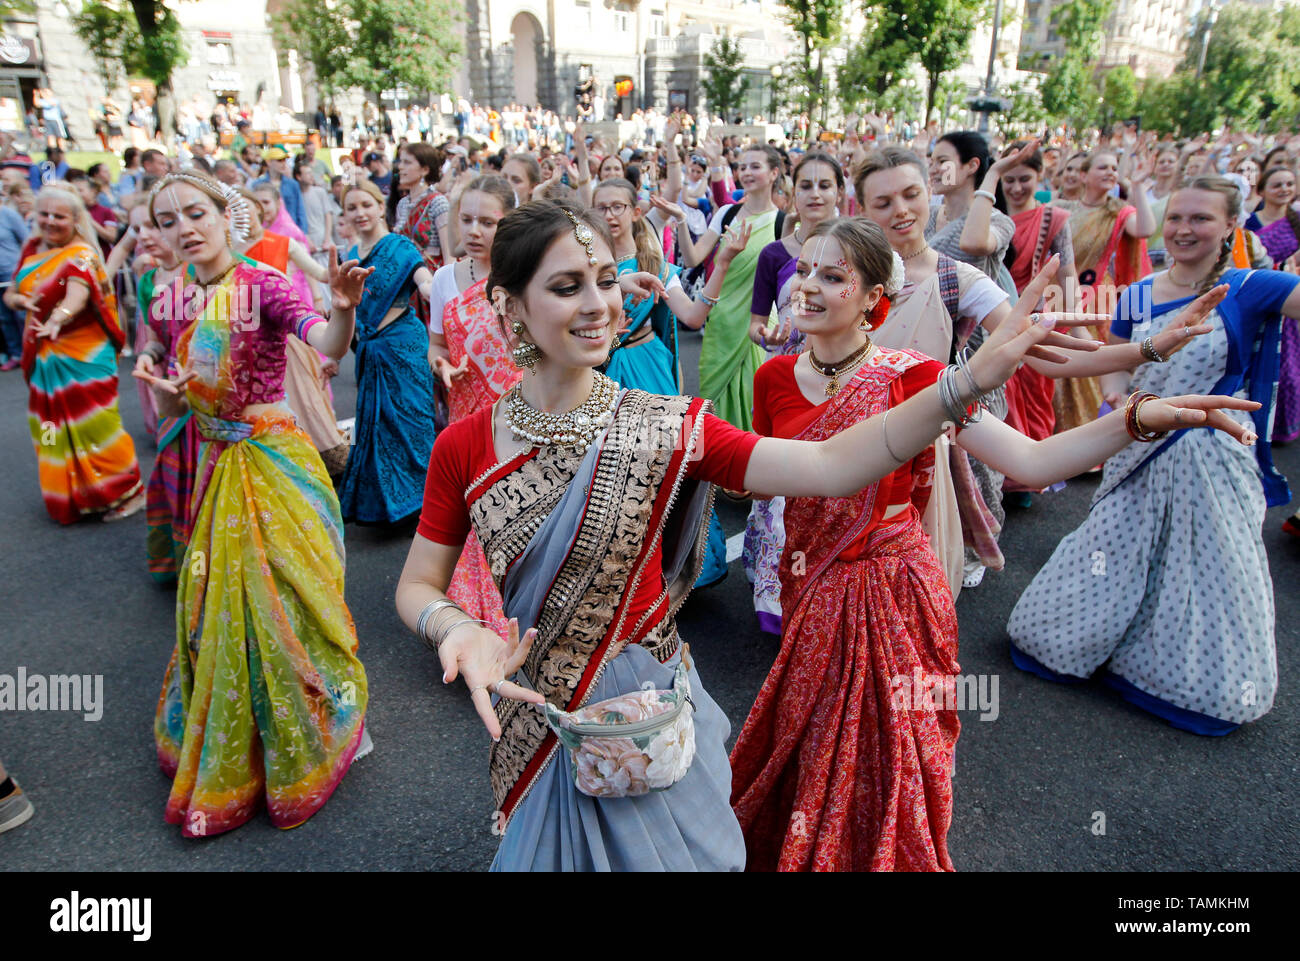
x=1166, y=583
x=646, y=355
x=394, y=431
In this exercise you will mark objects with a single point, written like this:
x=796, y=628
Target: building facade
x=1148, y=35
x=232, y=58
x=641, y=54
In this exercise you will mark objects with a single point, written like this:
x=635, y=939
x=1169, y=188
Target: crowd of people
x=1025, y=312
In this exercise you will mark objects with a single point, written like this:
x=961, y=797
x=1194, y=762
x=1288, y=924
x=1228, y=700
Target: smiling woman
x=591, y=504
x=86, y=461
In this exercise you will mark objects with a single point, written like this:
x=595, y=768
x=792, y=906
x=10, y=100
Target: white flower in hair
x=240, y=216
x=897, y=276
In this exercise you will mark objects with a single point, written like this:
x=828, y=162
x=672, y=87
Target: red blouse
x=464, y=451
x=781, y=410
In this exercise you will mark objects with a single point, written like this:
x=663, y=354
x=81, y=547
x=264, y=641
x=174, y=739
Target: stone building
x=1148, y=35
x=231, y=57
x=642, y=54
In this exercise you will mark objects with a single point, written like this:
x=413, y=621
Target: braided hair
x=1232, y=208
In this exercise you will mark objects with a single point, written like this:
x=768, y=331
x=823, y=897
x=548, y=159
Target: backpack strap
x=949, y=290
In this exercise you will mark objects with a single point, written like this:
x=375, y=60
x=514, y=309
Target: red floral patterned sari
x=834, y=771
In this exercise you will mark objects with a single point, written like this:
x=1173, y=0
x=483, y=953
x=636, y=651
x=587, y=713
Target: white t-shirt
x=444, y=289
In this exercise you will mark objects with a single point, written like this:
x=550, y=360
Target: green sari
x=728, y=358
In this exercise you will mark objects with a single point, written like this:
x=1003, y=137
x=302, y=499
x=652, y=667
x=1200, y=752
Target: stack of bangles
x=961, y=411
x=438, y=619
x=711, y=301
x=1133, y=417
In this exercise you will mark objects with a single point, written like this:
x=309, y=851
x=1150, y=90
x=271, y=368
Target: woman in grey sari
x=593, y=523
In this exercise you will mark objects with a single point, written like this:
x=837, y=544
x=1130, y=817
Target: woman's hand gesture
x=1190, y=322
x=1196, y=410
x=347, y=280
x=666, y=207
x=1026, y=332
x=1014, y=159
x=485, y=661
x=640, y=284
x=733, y=242
x=173, y=386
x=444, y=368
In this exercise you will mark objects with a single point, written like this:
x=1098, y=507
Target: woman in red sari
x=85, y=459
x=845, y=761
x=1042, y=230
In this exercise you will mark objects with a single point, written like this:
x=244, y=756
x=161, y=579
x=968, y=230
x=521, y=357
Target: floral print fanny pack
x=632, y=744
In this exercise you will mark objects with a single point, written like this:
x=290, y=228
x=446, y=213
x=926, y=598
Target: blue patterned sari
x=394, y=431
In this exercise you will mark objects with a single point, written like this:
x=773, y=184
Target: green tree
x=1252, y=70
x=724, y=81
x=1068, y=90
x=319, y=32
x=1024, y=116
x=1119, y=93
x=108, y=33
x=159, y=50
x=817, y=24
x=879, y=60
x=944, y=29
x=401, y=43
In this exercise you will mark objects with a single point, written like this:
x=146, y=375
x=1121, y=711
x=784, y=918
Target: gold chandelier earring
x=525, y=354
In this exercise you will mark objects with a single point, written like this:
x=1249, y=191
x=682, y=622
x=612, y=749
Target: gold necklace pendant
x=832, y=386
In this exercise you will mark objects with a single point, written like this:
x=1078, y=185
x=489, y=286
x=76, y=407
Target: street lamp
x=776, y=72
x=1205, y=37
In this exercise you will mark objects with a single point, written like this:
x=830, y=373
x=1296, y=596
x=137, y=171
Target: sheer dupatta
x=569, y=540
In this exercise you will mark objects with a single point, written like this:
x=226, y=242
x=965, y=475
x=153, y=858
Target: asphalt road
x=1028, y=790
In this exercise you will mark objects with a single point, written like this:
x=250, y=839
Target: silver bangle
x=442, y=635
x=1150, y=353
x=423, y=620
x=992, y=198
x=884, y=435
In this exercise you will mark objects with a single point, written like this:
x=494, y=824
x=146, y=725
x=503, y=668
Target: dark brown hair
x=525, y=234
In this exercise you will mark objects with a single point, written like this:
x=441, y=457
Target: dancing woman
x=172, y=479
x=85, y=459
x=645, y=357
x=1166, y=585
x=1277, y=226
x=393, y=437
x=1041, y=231
x=818, y=193
x=306, y=375
x=597, y=550
x=423, y=215
x=966, y=226
x=470, y=354
x=728, y=358
x=264, y=697
x=845, y=761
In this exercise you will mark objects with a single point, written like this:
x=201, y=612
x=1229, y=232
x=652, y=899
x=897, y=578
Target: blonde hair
x=366, y=187
x=85, y=227
x=1231, y=195
x=649, y=252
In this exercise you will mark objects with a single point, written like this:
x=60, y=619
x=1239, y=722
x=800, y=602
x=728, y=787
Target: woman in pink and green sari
x=264, y=698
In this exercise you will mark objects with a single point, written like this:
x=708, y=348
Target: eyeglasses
x=618, y=210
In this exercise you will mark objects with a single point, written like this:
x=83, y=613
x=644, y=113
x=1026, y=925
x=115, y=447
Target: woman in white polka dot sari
x=1167, y=583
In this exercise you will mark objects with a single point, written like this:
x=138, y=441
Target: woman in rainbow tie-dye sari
x=86, y=460
x=264, y=698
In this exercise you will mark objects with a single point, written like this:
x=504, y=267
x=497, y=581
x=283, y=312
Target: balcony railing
x=756, y=51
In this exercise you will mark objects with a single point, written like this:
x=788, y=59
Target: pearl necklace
x=578, y=428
